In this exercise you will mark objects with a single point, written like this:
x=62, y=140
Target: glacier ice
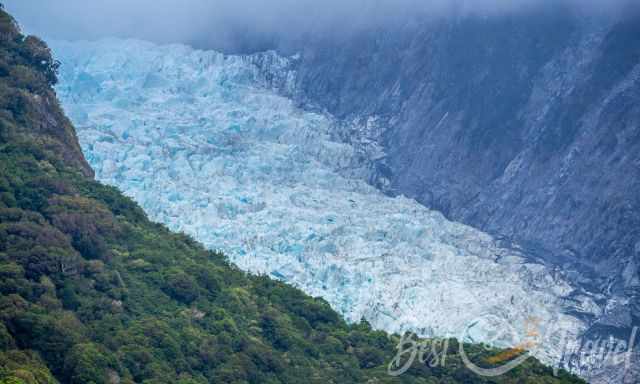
x=201, y=141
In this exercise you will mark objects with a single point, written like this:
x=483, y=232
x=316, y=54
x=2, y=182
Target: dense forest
x=91, y=291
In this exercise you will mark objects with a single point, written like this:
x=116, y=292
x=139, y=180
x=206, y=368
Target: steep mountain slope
x=92, y=292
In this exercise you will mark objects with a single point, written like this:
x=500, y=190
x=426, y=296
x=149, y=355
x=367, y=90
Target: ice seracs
x=203, y=144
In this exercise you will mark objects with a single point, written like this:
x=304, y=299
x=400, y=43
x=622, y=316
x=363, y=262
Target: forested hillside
x=91, y=291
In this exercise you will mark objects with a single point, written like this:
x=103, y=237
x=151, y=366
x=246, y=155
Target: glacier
x=206, y=145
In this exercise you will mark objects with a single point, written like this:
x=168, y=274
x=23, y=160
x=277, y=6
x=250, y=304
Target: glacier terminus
x=206, y=145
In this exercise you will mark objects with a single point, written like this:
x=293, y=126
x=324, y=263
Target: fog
x=237, y=24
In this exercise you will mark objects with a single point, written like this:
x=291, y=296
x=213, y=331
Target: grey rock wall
x=525, y=126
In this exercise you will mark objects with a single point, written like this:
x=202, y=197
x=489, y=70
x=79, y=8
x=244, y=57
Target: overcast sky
x=221, y=21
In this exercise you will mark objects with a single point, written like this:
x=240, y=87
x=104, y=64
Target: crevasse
x=204, y=145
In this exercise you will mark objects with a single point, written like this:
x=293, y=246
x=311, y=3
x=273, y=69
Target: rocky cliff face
x=526, y=126
x=30, y=109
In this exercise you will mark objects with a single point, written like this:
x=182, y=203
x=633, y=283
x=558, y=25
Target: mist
x=245, y=25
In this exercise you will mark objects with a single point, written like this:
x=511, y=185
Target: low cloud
x=230, y=24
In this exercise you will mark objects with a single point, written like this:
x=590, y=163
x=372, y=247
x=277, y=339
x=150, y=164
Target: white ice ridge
x=203, y=145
